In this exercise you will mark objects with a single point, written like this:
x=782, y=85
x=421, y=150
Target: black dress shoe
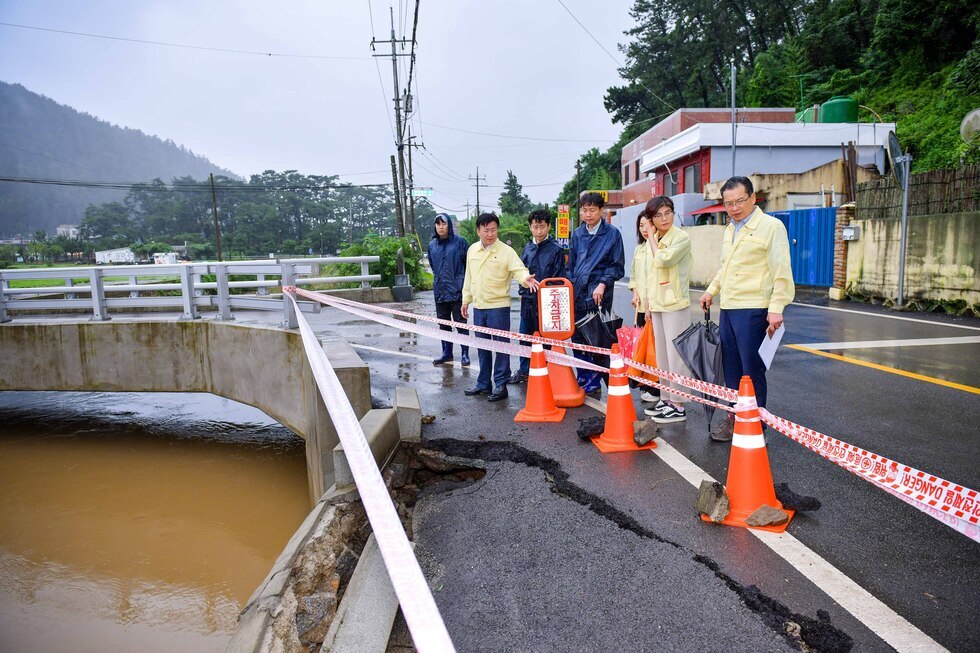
x=517, y=378
x=498, y=394
x=475, y=391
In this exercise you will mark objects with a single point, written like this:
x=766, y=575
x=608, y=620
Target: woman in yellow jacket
x=668, y=300
x=640, y=274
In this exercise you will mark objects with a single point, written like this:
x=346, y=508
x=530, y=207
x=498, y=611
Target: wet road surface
x=561, y=548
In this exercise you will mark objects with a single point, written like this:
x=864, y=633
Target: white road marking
x=890, y=317
x=911, y=342
x=866, y=608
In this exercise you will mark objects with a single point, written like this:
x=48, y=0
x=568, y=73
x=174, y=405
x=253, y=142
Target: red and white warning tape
x=346, y=304
x=421, y=613
x=952, y=504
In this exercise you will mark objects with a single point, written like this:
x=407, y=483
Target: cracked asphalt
x=560, y=548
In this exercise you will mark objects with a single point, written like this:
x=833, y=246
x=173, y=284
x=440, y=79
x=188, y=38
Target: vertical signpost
x=563, y=228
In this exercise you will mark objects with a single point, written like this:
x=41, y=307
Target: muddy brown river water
x=138, y=521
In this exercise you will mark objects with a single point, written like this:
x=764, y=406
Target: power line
x=523, y=138
x=618, y=63
x=183, y=45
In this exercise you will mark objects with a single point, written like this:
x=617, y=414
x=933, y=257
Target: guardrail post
x=70, y=283
x=99, y=312
x=364, y=272
x=224, y=303
x=133, y=281
x=187, y=294
x=3, y=302
x=197, y=282
x=262, y=290
x=289, y=320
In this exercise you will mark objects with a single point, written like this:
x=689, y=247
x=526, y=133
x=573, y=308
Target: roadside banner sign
x=562, y=230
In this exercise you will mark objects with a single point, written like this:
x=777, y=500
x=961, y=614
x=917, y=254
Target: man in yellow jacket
x=490, y=267
x=756, y=284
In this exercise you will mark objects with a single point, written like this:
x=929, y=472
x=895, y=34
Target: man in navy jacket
x=596, y=262
x=545, y=259
x=447, y=257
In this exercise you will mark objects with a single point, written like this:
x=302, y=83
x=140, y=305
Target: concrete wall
x=706, y=252
x=942, y=259
x=769, y=160
x=260, y=366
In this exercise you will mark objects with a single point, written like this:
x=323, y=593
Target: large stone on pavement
x=766, y=515
x=713, y=501
x=644, y=430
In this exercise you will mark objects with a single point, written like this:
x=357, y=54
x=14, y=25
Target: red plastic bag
x=629, y=338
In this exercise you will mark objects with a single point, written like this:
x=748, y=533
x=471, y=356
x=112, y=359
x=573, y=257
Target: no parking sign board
x=556, y=308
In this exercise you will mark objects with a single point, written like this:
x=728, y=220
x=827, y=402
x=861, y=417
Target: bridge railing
x=122, y=287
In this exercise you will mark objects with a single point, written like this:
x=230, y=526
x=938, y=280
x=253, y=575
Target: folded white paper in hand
x=769, y=344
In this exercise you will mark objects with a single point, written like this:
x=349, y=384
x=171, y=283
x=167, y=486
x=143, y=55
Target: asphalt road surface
x=561, y=548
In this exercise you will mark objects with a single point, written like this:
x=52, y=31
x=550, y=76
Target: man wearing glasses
x=755, y=282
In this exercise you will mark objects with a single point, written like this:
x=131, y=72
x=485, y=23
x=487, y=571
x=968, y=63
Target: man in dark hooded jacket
x=596, y=261
x=545, y=259
x=447, y=257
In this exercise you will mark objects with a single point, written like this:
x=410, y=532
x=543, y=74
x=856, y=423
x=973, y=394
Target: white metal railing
x=103, y=294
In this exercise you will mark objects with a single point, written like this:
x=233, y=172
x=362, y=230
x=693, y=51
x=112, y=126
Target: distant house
x=67, y=230
x=685, y=152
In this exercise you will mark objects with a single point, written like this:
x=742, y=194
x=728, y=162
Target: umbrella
x=700, y=347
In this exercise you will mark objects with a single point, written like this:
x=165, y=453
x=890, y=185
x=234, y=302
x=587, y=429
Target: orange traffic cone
x=540, y=403
x=749, y=483
x=566, y=390
x=620, y=413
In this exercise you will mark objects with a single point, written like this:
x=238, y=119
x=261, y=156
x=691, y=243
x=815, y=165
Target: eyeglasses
x=665, y=214
x=737, y=204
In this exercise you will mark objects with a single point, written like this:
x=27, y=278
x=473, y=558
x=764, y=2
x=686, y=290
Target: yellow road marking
x=891, y=370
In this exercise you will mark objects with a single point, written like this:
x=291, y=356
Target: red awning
x=717, y=208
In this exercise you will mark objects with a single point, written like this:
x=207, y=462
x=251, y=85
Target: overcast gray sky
x=520, y=68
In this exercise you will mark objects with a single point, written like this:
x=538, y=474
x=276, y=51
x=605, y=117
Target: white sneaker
x=670, y=415
x=656, y=410
x=648, y=398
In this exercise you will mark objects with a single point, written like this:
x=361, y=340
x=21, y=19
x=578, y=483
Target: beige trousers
x=666, y=327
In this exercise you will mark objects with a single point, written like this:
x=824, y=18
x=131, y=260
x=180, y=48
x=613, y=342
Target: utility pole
x=733, y=116
x=217, y=225
x=400, y=230
x=400, y=185
x=478, y=179
x=578, y=191
x=467, y=209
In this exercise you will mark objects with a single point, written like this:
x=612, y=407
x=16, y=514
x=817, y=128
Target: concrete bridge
x=261, y=366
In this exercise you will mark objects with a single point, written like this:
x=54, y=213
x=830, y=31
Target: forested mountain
x=42, y=139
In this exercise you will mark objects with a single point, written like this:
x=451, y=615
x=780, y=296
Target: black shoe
x=465, y=360
x=517, y=379
x=498, y=394
x=442, y=360
x=475, y=391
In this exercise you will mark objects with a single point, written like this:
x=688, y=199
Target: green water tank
x=839, y=108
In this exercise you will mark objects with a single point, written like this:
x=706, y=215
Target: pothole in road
x=806, y=633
